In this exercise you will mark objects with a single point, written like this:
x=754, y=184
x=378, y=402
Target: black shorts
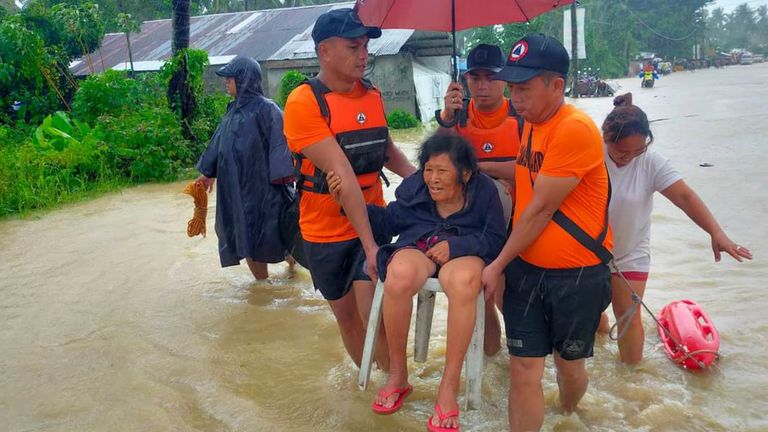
x=334, y=266
x=554, y=309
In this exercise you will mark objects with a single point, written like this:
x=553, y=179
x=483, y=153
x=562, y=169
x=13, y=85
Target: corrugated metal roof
x=302, y=46
x=259, y=34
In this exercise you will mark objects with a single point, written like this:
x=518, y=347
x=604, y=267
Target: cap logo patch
x=361, y=118
x=481, y=56
x=518, y=51
x=487, y=147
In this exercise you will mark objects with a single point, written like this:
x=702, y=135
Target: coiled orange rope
x=196, y=225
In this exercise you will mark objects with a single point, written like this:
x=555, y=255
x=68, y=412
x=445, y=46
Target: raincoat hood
x=247, y=74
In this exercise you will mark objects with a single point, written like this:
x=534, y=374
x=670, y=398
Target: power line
x=652, y=30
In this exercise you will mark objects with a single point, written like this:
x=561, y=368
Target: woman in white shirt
x=636, y=173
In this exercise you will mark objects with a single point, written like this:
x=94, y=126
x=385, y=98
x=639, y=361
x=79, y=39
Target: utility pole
x=574, y=53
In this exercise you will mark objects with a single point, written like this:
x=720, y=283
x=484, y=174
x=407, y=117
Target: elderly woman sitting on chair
x=450, y=225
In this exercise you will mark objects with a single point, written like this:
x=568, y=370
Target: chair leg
x=425, y=306
x=369, y=349
x=474, y=360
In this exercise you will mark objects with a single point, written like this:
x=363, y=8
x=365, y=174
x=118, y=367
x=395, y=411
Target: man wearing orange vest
x=336, y=122
x=489, y=122
x=558, y=281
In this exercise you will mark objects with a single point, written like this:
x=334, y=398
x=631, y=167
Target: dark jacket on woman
x=250, y=159
x=477, y=230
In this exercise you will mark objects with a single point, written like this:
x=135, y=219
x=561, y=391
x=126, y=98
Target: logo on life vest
x=518, y=51
x=487, y=147
x=361, y=118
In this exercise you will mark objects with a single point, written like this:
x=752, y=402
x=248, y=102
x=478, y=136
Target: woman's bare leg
x=460, y=279
x=631, y=343
x=407, y=272
x=258, y=269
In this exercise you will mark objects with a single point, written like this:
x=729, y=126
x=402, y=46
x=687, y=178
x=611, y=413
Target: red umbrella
x=450, y=15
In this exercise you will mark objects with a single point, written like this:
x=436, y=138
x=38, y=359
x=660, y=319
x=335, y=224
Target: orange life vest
x=498, y=144
x=359, y=128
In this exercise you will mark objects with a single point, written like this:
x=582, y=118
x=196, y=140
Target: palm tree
x=181, y=98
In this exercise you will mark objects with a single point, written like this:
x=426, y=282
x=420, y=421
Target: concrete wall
x=393, y=75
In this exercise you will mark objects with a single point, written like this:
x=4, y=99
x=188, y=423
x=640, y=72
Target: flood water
x=111, y=319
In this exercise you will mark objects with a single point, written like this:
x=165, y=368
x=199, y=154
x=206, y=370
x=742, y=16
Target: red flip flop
x=441, y=417
x=402, y=394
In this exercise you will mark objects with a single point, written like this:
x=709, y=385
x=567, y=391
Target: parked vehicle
x=758, y=58
x=589, y=84
x=746, y=59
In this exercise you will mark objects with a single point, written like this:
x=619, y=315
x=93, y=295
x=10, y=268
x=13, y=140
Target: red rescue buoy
x=686, y=323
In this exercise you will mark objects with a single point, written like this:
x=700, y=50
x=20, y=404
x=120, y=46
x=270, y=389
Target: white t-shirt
x=632, y=187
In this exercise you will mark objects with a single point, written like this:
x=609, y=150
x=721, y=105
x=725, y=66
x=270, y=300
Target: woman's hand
x=721, y=243
x=490, y=279
x=440, y=253
x=207, y=182
x=334, y=185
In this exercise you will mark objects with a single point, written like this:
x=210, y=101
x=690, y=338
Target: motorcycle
x=648, y=78
x=589, y=84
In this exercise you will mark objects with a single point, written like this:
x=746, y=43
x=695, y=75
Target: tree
x=181, y=98
x=716, y=28
x=128, y=25
x=741, y=27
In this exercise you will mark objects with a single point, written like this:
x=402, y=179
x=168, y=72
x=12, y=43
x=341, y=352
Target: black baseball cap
x=533, y=55
x=484, y=56
x=344, y=23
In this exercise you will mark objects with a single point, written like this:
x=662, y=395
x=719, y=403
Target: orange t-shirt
x=567, y=145
x=320, y=217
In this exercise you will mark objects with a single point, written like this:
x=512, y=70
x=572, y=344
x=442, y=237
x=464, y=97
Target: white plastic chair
x=473, y=362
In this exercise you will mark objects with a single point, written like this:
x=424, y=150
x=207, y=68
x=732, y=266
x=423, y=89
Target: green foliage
x=136, y=138
x=64, y=160
x=184, y=77
x=76, y=27
x=210, y=109
x=67, y=142
x=36, y=47
x=196, y=61
x=146, y=144
x=288, y=82
x=126, y=23
x=615, y=31
x=399, y=119
x=110, y=93
x=24, y=62
x=82, y=28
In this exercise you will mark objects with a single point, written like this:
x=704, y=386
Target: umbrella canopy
x=450, y=15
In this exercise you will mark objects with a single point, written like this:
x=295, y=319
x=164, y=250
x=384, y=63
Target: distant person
x=248, y=155
x=555, y=259
x=336, y=122
x=449, y=221
x=637, y=172
x=491, y=124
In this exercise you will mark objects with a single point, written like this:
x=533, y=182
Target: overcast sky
x=728, y=5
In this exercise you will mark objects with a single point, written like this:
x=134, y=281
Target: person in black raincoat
x=249, y=156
